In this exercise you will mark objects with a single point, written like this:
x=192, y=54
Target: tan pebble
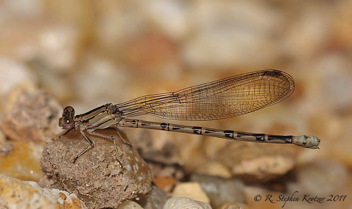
x=190, y=190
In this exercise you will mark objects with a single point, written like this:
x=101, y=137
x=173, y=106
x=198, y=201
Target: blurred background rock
x=88, y=53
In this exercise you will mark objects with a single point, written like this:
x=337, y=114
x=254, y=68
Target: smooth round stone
x=182, y=202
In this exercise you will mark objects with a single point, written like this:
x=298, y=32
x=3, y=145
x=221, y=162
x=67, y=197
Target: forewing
x=225, y=98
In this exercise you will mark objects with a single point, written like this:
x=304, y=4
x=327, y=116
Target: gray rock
x=220, y=190
x=156, y=199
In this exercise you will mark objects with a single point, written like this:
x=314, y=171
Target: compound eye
x=68, y=112
x=67, y=119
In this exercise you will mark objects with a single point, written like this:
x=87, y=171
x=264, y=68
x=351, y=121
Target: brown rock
x=33, y=117
x=96, y=177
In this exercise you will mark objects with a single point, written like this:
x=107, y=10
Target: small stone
x=23, y=162
x=64, y=198
x=59, y=46
x=174, y=22
x=322, y=177
x=156, y=199
x=231, y=33
x=98, y=183
x=310, y=24
x=336, y=81
x=12, y=74
x=221, y=190
x=214, y=169
x=32, y=118
x=257, y=162
x=234, y=206
x=340, y=145
x=278, y=165
x=190, y=190
x=153, y=54
x=24, y=194
x=182, y=202
x=5, y=148
x=129, y=205
x=110, y=77
x=164, y=183
x=2, y=137
x=341, y=18
x=26, y=10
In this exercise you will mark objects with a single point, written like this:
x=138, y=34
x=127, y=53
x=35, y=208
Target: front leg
x=66, y=132
x=91, y=144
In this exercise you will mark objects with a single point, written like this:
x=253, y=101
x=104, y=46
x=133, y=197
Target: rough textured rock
x=32, y=118
x=28, y=194
x=96, y=177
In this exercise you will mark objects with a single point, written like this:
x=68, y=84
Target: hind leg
x=108, y=137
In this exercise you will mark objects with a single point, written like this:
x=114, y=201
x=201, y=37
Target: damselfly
x=225, y=98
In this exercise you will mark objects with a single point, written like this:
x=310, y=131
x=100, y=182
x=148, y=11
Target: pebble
x=129, y=205
x=32, y=118
x=108, y=83
x=341, y=18
x=25, y=194
x=155, y=199
x=214, y=168
x=22, y=161
x=311, y=25
x=231, y=33
x=175, y=22
x=322, y=177
x=165, y=183
x=220, y=190
x=59, y=47
x=234, y=206
x=182, y=202
x=12, y=74
x=190, y=190
x=28, y=9
x=336, y=81
x=257, y=162
x=340, y=146
x=5, y=148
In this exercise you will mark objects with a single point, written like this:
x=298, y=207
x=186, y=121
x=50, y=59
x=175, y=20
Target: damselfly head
x=67, y=119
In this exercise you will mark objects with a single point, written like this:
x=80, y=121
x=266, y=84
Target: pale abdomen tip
x=311, y=142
